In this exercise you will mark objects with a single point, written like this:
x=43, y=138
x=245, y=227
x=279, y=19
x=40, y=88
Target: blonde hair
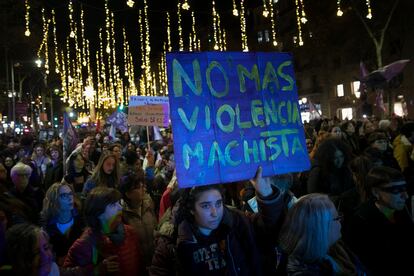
x=305, y=232
x=100, y=178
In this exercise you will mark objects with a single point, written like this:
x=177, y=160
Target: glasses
x=397, y=189
x=66, y=195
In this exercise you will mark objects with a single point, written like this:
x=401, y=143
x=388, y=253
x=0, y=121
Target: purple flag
x=118, y=120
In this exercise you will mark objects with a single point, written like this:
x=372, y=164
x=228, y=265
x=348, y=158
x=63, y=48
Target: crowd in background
x=113, y=207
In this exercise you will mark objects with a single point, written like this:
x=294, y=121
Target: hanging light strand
x=273, y=23
x=194, y=36
x=235, y=10
x=303, y=18
x=369, y=14
x=169, y=33
x=55, y=45
x=245, y=47
x=27, y=18
x=215, y=31
x=265, y=9
x=148, y=75
x=339, y=11
x=298, y=21
x=84, y=48
x=71, y=22
x=180, y=29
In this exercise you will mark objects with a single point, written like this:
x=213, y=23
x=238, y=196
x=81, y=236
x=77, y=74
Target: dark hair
x=376, y=135
x=95, y=205
x=407, y=129
x=379, y=176
x=72, y=158
x=21, y=240
x=131, y=157
x=326, y=152
x=360, y=167
x=129, y=182
x=189, y=198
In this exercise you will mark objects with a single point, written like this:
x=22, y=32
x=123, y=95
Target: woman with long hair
x=310, y=240
x=107, y=245
x=60, y=219
x=77, y=174
x=105, y=174
x=207, y=238
x=28, y=252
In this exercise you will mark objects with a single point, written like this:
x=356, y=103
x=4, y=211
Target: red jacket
x=82, y=252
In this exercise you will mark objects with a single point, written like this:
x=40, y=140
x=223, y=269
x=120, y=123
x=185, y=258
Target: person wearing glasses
x=60, y=219
x=310, y=240
x=107, y=245
x=381, y=232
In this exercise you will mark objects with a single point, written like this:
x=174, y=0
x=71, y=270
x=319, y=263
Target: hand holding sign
x=262, y=185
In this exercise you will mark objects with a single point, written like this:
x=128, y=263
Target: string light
x=169, y=33
x=180, y=30
x=185, y=5
x=339, y=12
x=27, y=18
x=235, y=11
x=194, y=36
x=215, y=32
x=299, y=23
x=272, y=20
x=265, y=10
x=243, y=27
x=71, y=22
x=148, y=76
x=303, y=18
x=84, y=46
x=130, y=3
x=369, y=15
x=57, y=62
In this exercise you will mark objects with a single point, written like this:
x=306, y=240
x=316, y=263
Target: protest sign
x=156, y=112
x=232, y=112
x=148, y=115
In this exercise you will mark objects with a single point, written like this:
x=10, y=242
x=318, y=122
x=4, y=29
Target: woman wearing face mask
x=60, y=219
x=106, y=174
x=310, y=240
x=107, y=246
x=207, y=238
x=330, y=173
x=28, y=252
x=381, y=230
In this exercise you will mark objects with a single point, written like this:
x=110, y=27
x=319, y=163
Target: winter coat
x=339, y=261
x=54, y=173
x=143, y=221
x=63, y=241
x=88, y=252
x=231, y=249
x=384, y=247
x=403, y=152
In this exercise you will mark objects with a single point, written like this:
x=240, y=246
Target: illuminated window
x=355, y=89
x=398, y=109
x=259, y=37
x=266, y=35
x=340, y=90
x=346, y=113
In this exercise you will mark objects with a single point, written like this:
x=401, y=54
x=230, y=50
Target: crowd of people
x=113, y=207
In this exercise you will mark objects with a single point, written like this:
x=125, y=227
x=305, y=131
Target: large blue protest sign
x=232, y=112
